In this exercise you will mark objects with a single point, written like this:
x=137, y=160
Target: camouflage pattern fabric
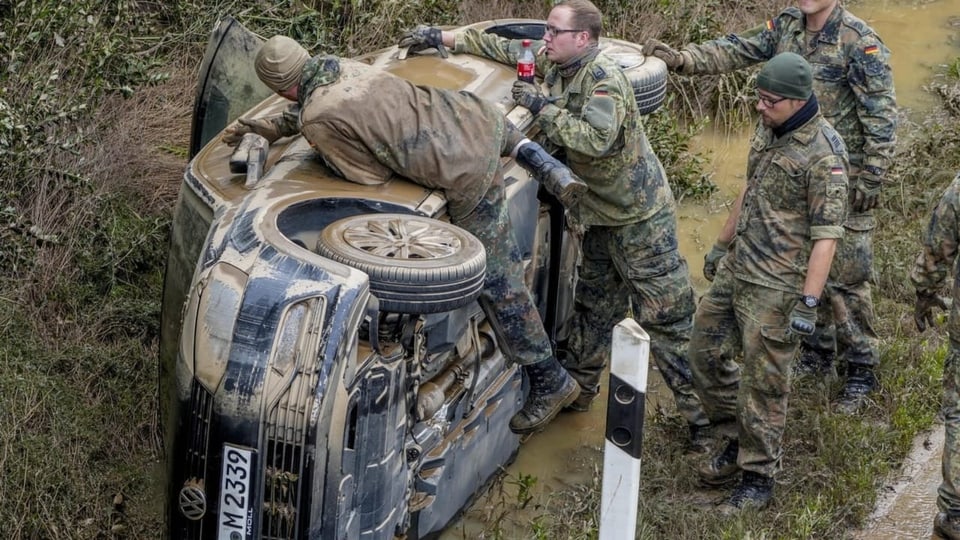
x=854, y=83
x=593, y=116
x=796, y=194
x=505, y=299
x=948, y=494
x=369, y=124
x=642, y=259
x=362, y=123
x=749, y=401
x=629, y=214
x=930, y=274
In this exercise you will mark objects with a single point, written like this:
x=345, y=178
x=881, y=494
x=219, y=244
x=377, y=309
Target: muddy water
x=921, y=37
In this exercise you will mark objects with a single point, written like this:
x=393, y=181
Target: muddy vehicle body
x=325, y=368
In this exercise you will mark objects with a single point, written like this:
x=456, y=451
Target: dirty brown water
x=921, y=38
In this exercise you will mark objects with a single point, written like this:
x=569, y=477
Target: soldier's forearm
x=818, y=266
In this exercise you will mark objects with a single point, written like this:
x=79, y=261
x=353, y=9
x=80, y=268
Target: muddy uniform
x=930, y=273
x=854, y=85
x=796, y=194
x=629, y=215
x=367, y=131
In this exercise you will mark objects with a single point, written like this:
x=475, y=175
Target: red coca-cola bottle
x=526, y=63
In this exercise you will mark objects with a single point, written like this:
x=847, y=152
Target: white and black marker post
x=629, y=358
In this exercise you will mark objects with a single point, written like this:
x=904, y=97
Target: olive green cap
x=787, y=75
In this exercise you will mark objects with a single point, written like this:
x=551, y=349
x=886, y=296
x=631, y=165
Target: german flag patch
x=836, y=171
x=771, y=25
x=872, y=49
x=600, y=92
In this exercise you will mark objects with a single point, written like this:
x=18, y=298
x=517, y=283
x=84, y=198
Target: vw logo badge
x=193, y=501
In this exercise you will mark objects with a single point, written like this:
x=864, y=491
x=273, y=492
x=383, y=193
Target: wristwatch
x=810, y=301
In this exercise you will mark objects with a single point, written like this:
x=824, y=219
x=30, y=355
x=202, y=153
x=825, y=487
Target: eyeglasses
x=554, y=31
x=767, y=102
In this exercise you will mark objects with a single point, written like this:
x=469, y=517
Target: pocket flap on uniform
x=861, y=223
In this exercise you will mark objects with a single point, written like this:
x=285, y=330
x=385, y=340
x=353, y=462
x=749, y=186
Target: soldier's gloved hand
x=866, y=192
x=529, y=96
x=261, y=126
x=803, y=319
x=923, y=311
x=421, y=38
x=711, y=259
x=669, y=55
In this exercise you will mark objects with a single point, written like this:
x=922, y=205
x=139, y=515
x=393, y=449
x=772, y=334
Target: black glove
x=923, y=311
x=866, y=192
x=711, y=259
x=529, y=96
x=422, y=38
x=261, y=126
x=803, y=319
x=661, y=50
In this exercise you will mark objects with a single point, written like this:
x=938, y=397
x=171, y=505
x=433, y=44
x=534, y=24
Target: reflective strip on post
x=629, y=358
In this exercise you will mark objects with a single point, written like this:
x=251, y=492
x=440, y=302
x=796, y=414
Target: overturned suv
x=325, y=368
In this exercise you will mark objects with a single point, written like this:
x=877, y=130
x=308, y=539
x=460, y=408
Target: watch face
x=810, y=301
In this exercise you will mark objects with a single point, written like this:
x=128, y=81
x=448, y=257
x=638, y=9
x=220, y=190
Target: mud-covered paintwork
x=360, y=423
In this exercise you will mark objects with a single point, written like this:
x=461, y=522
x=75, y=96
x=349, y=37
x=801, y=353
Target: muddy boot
x=860, y=382
x=722, y=467
x=551, y=389
x=753, y=493
x=556, y=177
x=947, y=526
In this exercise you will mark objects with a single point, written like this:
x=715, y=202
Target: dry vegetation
x=94, y=120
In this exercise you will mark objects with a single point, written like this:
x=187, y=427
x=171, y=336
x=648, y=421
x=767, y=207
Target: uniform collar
x=830, y=33
x=571, y=68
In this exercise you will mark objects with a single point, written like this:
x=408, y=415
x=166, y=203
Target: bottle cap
x=526, y=42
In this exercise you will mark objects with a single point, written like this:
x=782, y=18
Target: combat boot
x=556, y=177
x=551, y=389
x=947, y=526
x=753, y=493
x=860, y=382
x=722, y=467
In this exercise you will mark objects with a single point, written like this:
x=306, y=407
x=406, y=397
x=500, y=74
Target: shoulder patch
x=856, y=24
x=792, y=12
x=599, y=73
x=836, y=143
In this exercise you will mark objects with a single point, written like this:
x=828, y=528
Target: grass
x=94, y=117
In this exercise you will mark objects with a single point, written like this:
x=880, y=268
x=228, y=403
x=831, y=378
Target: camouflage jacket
x=593, y=116
x=940, y=243
x=368, y=124
x=851, y=76
x=796, y=194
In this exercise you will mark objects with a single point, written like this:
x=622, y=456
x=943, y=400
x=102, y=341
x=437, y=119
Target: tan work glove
x=670, y=56
x=261, y=126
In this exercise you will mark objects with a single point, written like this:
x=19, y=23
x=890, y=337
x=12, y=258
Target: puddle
x=566, y=453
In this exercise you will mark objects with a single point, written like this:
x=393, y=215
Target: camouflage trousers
x=505, y=298
x=845, y=320
x=948, y=494
x=636, y=267
x=745, y=401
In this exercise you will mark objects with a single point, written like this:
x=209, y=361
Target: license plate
x=236, y=489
